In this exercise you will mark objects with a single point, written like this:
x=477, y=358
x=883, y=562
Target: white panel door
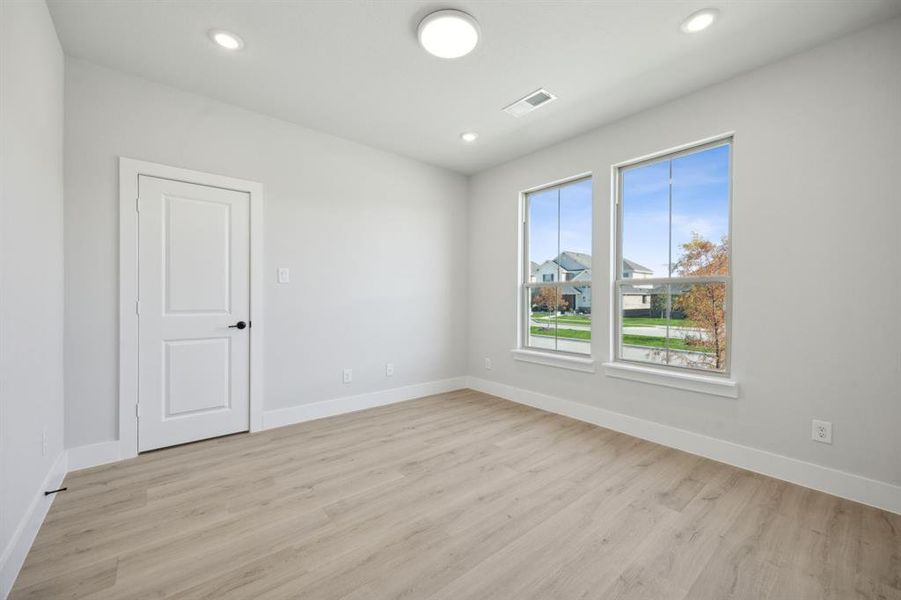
x=194, y=290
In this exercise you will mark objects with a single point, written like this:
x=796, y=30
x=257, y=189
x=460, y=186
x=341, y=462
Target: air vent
x=529, y=103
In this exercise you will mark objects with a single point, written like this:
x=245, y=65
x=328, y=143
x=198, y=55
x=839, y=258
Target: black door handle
x=238, y=325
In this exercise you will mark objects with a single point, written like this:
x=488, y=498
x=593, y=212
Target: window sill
x=549, y=359
x=705, y=384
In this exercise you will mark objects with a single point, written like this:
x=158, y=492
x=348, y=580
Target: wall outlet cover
x=821, y=431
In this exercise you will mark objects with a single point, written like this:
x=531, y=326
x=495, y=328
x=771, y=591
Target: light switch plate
x=284, y=275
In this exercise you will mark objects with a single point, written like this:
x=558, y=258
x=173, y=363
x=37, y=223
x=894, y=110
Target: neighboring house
x=568, y=266
x=576, y=266
x=633, y=270
x=638, y=302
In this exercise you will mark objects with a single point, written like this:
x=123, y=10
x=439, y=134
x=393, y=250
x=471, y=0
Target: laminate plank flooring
x=451, y=497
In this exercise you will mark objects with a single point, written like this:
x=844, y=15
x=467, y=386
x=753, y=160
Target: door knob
x=238, y=325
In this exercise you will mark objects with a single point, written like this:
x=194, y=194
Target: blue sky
x=574, y=219
x=700, y=204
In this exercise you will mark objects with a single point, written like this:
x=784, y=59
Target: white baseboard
x=872, y=492
x=93, y=455
x=101, y=453
x=18, y=546
x=347, y=404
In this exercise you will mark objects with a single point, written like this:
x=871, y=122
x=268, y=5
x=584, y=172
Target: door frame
x=129, y=171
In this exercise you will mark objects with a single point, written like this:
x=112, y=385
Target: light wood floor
x=457, y=496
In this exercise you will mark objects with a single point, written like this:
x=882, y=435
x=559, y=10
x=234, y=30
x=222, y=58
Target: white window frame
x=522, y=351
x=696, y=379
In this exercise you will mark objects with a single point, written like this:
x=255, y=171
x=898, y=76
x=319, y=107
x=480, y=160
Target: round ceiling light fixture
x=448, y=33
x=699, y=21
x=226, y=39
x=469, y=136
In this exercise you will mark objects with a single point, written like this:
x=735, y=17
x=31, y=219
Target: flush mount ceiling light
x=226, y=39
x=469, y=136
x=448, y=33
x=699, y=21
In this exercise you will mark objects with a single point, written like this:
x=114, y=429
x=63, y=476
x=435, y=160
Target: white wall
x=31, y=273
x=817, y=256
x=344, y=217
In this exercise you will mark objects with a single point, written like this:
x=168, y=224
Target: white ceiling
x=354, y=68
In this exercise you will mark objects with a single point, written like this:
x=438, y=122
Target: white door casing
x=191, y=249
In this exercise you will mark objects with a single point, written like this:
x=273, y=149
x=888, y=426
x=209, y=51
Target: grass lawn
x=655, y=321
x=649, y=341
x=577, y=319
x=652, y=341
x=573, y=334
x=627, y=321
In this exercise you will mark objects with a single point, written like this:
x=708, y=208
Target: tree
x=705, y=303
x=549, y=299
x=658, y=305
x=703, y=258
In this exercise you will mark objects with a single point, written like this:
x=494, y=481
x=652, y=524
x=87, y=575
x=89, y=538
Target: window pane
x=700, y=207
x=676, y=325
x=542, y=319
x=553, y=325
x=575, y=258
x=544, y=235
x=643, y=329
x=682, y=203
x=698, y=339
x=645, y=221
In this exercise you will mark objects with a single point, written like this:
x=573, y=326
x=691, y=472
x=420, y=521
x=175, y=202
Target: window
x=672, y=308
x=556, y=307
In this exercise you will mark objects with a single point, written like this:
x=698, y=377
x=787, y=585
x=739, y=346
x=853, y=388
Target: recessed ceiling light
x=448, y=33
x=226, y=39
x=699, y=21
x=469, y=136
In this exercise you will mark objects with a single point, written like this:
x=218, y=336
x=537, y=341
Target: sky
x=700, y=204
x=572, y=202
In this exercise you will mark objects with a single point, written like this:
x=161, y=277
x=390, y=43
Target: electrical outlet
x=389, y=370
x=348, y=375
x=44, y=443
x=821, y=432
x=487, y=363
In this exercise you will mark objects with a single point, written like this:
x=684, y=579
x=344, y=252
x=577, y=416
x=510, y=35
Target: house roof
x=633, y=266
x=582, y=276
x=577, y=262
x=574, y=261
